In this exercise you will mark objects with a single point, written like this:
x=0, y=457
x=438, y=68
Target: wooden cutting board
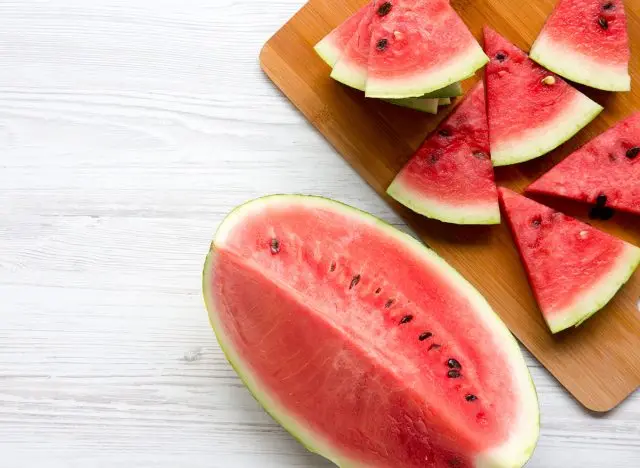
x=599, y=363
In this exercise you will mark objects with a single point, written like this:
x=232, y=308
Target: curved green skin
x=428, y=106
x=451, y=91
x=307, y=439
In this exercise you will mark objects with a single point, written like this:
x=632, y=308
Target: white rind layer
x=599, y=295
x=459, y=68
x=524, y=435
x=539, y=141
x=328, y=51
x=564, y=61
x=352, y=75
x=465, y=214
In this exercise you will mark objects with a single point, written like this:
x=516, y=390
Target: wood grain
x=599, y=363
x=128, y=129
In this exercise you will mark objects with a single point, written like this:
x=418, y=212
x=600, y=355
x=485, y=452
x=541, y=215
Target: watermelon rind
x=513, y=453
x=451, y=91
x=579, y=68
x=353, y=75
x=459, y=68
x=432, y=208
x=444, y=101
x=592, y=301
x=328, y=51
x=543, y=139
x=429, y=106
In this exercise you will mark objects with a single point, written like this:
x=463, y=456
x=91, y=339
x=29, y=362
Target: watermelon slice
x=531, y=111
x=429, y=106
x=451, y=176
x=419, y=46
x=330, y=48
x=450, y=91
x=586, y=41
x=573, y=268
x=363, y=343
x=606, y=171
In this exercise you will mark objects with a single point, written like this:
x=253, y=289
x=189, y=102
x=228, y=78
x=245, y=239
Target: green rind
x=428, y=106
x=451, y=91
x=489, y=459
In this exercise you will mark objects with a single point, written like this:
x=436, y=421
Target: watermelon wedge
x=586, y=41
x=606, y=171
x=450, y=178
x=364, y=344
x=330, y=48
x=574, y=269
x=419, y=46
x=450, y=91
x=429, y=106
x=531, y=111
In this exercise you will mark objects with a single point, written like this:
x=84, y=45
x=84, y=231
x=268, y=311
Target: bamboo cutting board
x=599, y=363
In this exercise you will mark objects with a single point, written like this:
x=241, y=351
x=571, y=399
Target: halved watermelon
x=586, y=41
x=451, y=176
x=573, y=268
x=606, y=171
x=363, y=343
x=531, y=111
x=331, y=47
x=419, y=46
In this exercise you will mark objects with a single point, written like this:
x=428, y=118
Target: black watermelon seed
x=608, y=6
x=384, y=9
x=354, y=281
x=406, y=319
x=425, y=336
x=601, y=200
x=501, y=56
x=470, y=397
x=454, y=374
x=481, y=155
x=275, y=246
x=389, y=303
x=444, y=132
x=454, y=364
x=332, y=268
x=378, y=291
x=434, y=158
x=604, y=24
x=633, y=152
x=536, y=221
x=434, y=346
x=382, y=44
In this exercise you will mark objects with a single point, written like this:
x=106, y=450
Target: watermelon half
x=364, y=344
x=419, y=46
x=586, y=41
x=604, y=172
x=531, y=110
x=573, y=268
x=450, y=178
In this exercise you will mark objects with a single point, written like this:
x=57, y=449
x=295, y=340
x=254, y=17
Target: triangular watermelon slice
x=419, y=46
x=573, y=268
x=450, y=178
x=606, y=171
x=531, y=111
x=586, y=41
x=330, y=48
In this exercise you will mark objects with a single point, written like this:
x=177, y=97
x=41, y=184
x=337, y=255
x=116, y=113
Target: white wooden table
x=128, y=128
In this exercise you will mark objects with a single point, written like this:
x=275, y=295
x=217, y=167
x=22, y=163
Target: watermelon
x=531, y=111
x=331, y=46
x=604, y=172
x=363, y=343
x=586, y=41
x=430, y=106
x=450, y=178
x=573, y=268
x=418, y=46
x=450, y=91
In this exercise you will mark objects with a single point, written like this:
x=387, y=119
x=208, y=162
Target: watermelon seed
x=453, y=364
x=549, y=81
x=406, y=319
x=382, y=44
x=434, y=158
x=425, y=336
x=470, y=397
x=601, y=201
x=434, y=346
x=388, y=304
x=384, y=9
x=332, y=268
x=604, y=24
x=454, y=374
x=633, y=152
x=537, y=221
x=608, y=6
x=275, y=246
x=378, y=291
x=354, y=281
x=501, y=56
x=444, y=132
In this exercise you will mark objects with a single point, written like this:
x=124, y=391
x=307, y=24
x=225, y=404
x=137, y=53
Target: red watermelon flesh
x=608, y=166
x=531, y=111
x=586, y=41
x=450, y=178
x=364, y=344
x=573, y=268
x=330, y=48
x=417, y=47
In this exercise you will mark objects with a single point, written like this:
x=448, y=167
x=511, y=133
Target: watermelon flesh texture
x=418, y=47
x=586, y=41
x=531, y=110
x=344, y=329
x=451, y=178
x=331, y=46
x=607, y=166
x=573, y=268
